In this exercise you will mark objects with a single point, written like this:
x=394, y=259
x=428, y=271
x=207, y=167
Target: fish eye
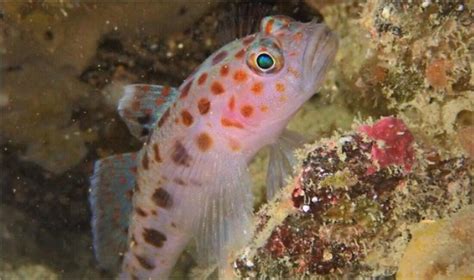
x=265, y=61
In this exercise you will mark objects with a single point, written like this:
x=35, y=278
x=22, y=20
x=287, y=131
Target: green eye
x=265, y=61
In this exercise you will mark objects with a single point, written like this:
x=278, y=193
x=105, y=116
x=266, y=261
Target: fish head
x=261, y=80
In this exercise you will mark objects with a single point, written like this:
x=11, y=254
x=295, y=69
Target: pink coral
x=394, y=142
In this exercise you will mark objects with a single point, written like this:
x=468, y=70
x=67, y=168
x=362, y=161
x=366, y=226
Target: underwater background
x=383, y=187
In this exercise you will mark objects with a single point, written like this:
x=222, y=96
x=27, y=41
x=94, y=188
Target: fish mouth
x=319, y=54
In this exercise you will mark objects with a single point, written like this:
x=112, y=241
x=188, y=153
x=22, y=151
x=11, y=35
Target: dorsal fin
x=142, y=106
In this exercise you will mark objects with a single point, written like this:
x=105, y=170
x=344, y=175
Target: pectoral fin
x=282, y=161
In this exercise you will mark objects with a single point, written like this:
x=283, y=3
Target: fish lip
x=318, y=56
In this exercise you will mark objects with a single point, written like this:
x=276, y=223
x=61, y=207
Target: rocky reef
x=358, y=197
x=349, y=209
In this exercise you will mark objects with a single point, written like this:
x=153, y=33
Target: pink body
x=226, y=112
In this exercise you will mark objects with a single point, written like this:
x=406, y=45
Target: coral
x=348, y=208
x=441, y=249
x=390, y=64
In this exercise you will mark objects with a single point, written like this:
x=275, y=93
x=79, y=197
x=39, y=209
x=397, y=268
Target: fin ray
x=110, y=201
x=142, y=106
x=282, y=161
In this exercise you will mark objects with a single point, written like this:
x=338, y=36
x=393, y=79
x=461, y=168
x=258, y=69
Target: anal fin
x=110, y=200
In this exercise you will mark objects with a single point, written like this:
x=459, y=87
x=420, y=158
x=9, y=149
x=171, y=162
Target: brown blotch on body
x=154, y=237
x=163, y=118
x=180, y=155
x=145, y=161
x=217, y=88
x=156, y=152
x=204, y=141
x=231, y=123
x=204, y=106
x=141, y=212
x=202, y=78
x=219, y=57
x=187, y=118
x=224, y=70
x=144, y=263
x=246, y=110
x=240, y=76
x=185, y=90
x=179, y=181
x=264, y=108
x=162, y=198
x=257, y=88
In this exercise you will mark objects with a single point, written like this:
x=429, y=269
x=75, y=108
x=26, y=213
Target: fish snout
x=318, y=56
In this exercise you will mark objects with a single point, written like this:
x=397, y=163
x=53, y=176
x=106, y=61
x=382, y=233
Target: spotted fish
x=190, y=180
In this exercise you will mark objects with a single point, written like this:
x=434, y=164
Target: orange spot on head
x=224, y=70
x=217, y=88
x=231, y=103
x=231, y=123
x=202, y=78
x=204, y=105
x=280, y=87
x=240, y=54
x=187, y=118
x=264, y=108
x=246, y=110
x=257, y=88
x=240, y=76
x=269, y=26
x=204, y=141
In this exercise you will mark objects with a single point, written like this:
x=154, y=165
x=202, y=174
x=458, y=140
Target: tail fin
x=110, y=200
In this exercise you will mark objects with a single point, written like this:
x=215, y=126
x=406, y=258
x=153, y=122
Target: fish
x=189, y=183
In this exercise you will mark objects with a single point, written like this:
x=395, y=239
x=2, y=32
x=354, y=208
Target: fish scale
x=190, y=181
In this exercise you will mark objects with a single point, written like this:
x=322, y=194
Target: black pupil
x=265, y=61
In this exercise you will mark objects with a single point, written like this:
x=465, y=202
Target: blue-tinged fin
x=142, y=106
x=110, y=199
